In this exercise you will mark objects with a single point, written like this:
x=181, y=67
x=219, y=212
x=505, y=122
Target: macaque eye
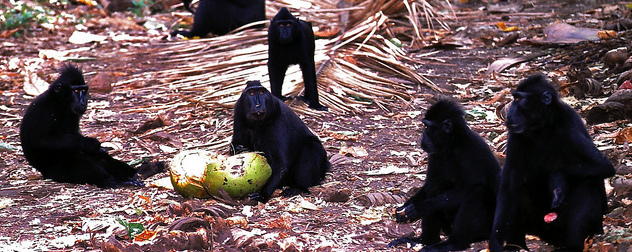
x=517, y=98
x=260, y=92
x=251, y=93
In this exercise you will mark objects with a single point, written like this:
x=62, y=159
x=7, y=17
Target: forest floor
x=378, y=159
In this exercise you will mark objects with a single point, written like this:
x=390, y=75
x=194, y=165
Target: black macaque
x=459, y=194
x=291, y=41
x=552, y=167
x=53, y=144
x=222, y=16
x=265, y=124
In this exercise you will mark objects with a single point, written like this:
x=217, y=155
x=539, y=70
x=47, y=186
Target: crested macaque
x=459, y=194
x=265, y=124
x=552, y=184
x=291, y=41
x=220, y=17
x=53, y=144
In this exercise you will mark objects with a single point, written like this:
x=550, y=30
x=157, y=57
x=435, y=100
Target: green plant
x=21, y=16
x=132, y=228
x=139, y=6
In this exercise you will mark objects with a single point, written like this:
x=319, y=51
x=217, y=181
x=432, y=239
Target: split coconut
x=199, y=173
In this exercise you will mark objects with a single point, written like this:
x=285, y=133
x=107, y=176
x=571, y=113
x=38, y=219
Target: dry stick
x=143, y=144
x=156, y=130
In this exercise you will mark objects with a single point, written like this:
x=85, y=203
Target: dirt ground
x=380, y=165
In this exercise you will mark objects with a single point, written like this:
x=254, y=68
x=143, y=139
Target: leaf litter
x=389, y=60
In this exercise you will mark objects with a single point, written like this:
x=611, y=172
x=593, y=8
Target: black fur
x=458, y=196
x=552, y=166
x=222, y=16
x=53, y=144
x=187, y=5
x=291, y=41
x=265, y=124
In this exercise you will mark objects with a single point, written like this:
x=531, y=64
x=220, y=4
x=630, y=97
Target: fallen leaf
x=156, y=122
x=563, y=33
x=33, y=84
x=283, y=222
x=505, y=28
x=78, y=37
x=391, y=169
x=369, y=217
x=9, y=33
x=355, y=151
x=237, y=220
x=162, y=183
x=503, y=63
x=624, y=136
x=308, y=205
x=344, y=135
x=145, y=235
x=326, y=32
x=606, y=34
x=88, y=2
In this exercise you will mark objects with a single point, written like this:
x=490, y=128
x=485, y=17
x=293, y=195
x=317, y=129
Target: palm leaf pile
x=359, y=56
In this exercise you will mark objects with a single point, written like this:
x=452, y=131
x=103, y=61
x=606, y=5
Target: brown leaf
x=503, y=27
x=395, y=230
x=145, y=235
x=222, y=230
x=237, y=220
x=504, y=63
x=326, y=32
x=340, y=136
x=156, y=122
x=189, y=224
x=283, y=222
x=9, y=33
x=355, y=151
x=606, y=34
x=624, y=136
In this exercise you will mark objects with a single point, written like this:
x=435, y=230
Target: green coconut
x=238, y=175
x=199, y=174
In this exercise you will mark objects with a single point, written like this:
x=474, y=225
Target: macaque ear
x=447, y=125
x=547, y=98
x=56, y=86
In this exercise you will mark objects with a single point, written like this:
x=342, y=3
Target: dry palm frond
x=357, y=67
